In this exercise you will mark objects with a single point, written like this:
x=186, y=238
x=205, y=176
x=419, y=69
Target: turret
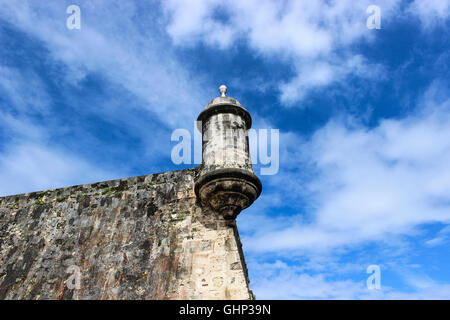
x=226, y=182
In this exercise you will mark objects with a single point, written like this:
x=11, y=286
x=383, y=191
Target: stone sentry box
x=226, y=182
x=146, y=237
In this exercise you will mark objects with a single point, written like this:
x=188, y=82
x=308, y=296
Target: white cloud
x=430, y=12
x=116, y=41
x=120, y=43
x=280, y=281
x=32, y=167
x=440, y=239
x=291, y=28
x=304, y=286
x=315, y=37
x=315, y=75
x=29, y=162
x=24, y=89
x=363, y=184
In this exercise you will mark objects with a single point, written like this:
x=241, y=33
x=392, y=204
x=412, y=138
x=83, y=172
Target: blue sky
x=363, y=114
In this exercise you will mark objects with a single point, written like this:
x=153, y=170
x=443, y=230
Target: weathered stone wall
x=145, y=237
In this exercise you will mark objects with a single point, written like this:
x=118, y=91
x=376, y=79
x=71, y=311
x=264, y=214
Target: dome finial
x=223, y=90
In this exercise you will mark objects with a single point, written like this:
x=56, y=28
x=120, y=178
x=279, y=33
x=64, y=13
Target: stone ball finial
x=223, y=90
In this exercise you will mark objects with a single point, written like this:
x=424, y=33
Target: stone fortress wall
x=145, y=237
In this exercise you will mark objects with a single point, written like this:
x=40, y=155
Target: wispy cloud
x=111, y=43
x=355, y=187
x=24, y=90
x=140, y=84
x=430, y=12
x=30, y=167
x=365, y=184
x=314, y=37
x=280, y=281
x=318, y=40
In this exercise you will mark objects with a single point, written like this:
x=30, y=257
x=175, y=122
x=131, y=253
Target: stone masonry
x=145, y=237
